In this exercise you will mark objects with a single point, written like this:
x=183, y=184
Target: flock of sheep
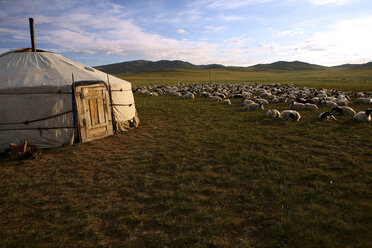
x=255, y=96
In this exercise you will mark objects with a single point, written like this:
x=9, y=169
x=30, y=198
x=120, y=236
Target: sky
x=228, y=32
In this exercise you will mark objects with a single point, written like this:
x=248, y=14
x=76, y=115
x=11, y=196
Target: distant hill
x=363, y=66
x=354, y=66
x=144, y=65
x=165, y=65
x=211, y=66
x=287, y=66
x=125, y=67
x=346, y=66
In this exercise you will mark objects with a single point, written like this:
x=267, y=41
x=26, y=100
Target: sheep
x=290, y=115
x=253, y=106
x=247, y=101
x=215, y=98
x=329, y=104
x=359, y=94
x=363, y=100
x=261, y=101
x=273, y=113
x=227, y=101
x=326, y=116
x=343, y=110
x=246, y=95
x=283, y=99
x=296, y=105
x=310, y=106
x=222, y=96
x=176, y=94
x=275, y=100
x=302, y=100
x=188, y=96
x=364, y=115
x=233, y=96
x=205, y=94
x=321, y=95
x=316, y=100
x=159, y=92
x=341, y=102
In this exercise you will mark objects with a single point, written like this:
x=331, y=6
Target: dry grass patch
x=196, y=174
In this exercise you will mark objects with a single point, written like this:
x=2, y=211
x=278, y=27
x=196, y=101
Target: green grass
x=197, y=173
x=331, y=78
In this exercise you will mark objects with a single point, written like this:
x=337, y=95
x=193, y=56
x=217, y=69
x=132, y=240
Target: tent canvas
x=38, y=102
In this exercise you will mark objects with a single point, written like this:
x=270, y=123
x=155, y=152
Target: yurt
x=50, y=100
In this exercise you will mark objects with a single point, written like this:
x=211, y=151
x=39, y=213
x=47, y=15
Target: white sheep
x=188, y=96
x=273, y=113
x=343, y=110
x=364, y=100
x=246, y=95
x=215, y=98
x=296, y=105
x=342, y=102
x=227, y=101
x=253, y=106
x=364, y=115
x=205, y=94
x=247, y=101
x=310, y=106
x=330, y=104
x=283, y=98
x=176, y=94
x=290, y=115
x=359, y=94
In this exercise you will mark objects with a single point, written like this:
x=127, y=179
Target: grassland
x=330, y=78
x=197, y=174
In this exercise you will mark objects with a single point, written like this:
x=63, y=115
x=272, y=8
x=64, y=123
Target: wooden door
x=93, y=111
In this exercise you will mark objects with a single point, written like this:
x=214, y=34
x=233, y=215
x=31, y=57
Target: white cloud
x=332, y=2
x=124, y=38
x=229, y=18
x=347, y=41
x=102, y=31
x=6, y=30
x=214, y=28
x=162, y=18
x=227, y=4
x=191, y=15
x=235, y=40
x=271, y=48
x=290, y=33
x=182, y=31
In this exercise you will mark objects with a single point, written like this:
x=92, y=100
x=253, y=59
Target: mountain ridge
x=137, y=66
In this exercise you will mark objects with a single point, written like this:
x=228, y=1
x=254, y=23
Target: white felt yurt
x=50, y=100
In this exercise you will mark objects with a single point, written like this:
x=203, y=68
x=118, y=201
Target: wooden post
x=32, y=34
x=111, y=106
x=76, y=109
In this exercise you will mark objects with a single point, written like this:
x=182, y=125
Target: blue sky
x=228, y=32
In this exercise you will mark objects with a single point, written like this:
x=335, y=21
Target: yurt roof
x=23, y=68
